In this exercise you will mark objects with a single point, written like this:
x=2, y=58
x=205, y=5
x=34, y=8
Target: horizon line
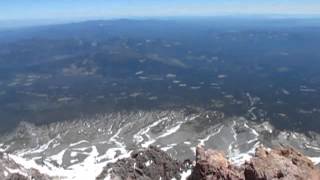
x=20, y=23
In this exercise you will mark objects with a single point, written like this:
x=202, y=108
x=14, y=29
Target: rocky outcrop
x=212, y=165
x=284, y=164
x=148, y=164
x=152, y=163
x=10, y=170
x=16, y=176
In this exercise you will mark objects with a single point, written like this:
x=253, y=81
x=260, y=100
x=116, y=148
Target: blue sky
x=86, y=9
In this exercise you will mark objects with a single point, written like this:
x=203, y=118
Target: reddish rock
x=212, y=165
x=285, y=164
x=152, y=163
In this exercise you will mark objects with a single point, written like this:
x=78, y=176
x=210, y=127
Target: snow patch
x=202, y=141
x=315, y=160
x=238, y=159
x=58, y=157
x=17, y=171
x=185, y=174
x=170, y=146
x=139, y=72
x=312, y=147
x=138, y=138
x=171, y=131
x=148, y=163
x=187, y=143
x=78, y=143
x=73, y=154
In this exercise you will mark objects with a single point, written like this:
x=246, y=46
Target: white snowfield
x=104, y=141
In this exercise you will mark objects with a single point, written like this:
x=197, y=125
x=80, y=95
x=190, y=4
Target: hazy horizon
x=17, y=23
x=70, y=9
x=16, y=13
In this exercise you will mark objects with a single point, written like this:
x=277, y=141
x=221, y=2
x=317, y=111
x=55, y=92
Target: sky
x=91, y=9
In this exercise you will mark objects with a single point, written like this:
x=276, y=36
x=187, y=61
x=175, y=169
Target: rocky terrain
x=146, y=145
x=132, y=99
x=11, y=170
x=267, y=164
x=153, y=163
x=150, y=163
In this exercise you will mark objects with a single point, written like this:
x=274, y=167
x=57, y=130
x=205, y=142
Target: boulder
x=284, y=163
x=147, y=164
x=212, y=165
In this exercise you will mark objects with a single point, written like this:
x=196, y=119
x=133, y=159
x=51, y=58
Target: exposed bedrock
x=148, y=164
x=11, y=170
x=266, y=164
